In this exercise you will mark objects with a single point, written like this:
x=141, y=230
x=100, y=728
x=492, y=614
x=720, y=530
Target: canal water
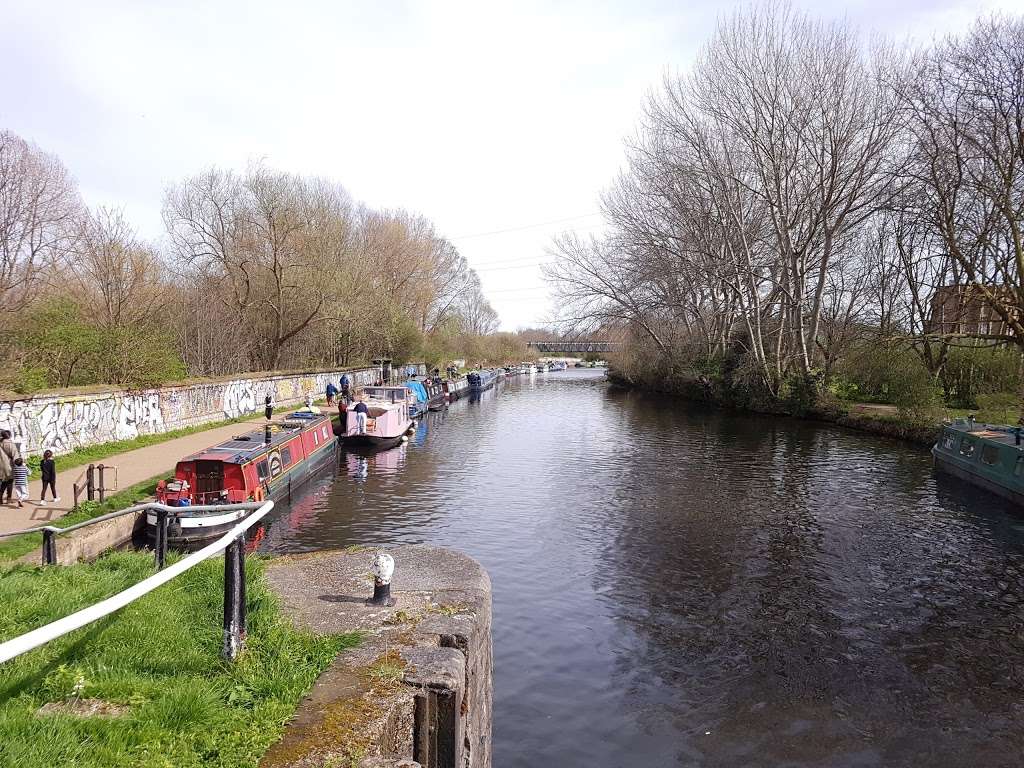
x=676, y=585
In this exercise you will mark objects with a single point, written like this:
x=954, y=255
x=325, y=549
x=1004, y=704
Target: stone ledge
x=436, y=637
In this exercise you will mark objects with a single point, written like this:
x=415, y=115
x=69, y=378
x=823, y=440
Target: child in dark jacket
x=48, y=472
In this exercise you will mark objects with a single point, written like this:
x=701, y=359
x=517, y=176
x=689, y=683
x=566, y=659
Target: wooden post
x=102, y=486
x=160, y=544
x=234, y=599
x=90, y=482
x=49, y=547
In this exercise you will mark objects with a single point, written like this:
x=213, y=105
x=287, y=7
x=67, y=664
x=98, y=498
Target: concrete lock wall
x=62, y=423
x=433, y=707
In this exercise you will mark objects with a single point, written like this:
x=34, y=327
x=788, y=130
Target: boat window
x=286, y=456
x=1018, y=470
x=316, y=438
x=325, y=432
x=967, y=447
x=261, y=470
x=990, y=454
x=950, y=440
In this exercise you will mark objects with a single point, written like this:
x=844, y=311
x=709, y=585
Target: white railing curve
x=234, y=590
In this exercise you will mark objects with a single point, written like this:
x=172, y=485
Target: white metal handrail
x=37, y=637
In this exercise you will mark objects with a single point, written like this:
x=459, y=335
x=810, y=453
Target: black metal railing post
x=49, y=547
x=102, y=488
x=90, y=482
x=234, y=598
x=160, y=544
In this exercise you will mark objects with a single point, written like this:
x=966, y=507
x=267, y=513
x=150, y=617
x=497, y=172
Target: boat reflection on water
x=360, y=465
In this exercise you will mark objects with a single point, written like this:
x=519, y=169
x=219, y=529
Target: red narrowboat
x=262, y=464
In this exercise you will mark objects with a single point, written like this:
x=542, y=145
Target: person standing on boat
x=331, y=392
x=345, y=385
x=362, y=414
x=343, y=415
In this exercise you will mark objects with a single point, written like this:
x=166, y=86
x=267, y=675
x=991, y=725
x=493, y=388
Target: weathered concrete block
x=419, y=685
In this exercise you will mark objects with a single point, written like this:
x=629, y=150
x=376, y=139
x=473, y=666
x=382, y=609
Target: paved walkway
x=132, y=467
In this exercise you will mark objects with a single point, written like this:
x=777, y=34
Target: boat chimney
x=267, y=435
x=383, y=570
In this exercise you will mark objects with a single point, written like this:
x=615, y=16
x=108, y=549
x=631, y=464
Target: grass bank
x=13, y=548
x=151, y=674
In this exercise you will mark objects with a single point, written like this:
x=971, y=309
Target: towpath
x=132, y=467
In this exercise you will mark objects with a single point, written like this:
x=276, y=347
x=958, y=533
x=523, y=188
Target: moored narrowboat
x=481, y=381
x=262, y=464
x=985, y=455
x=388, y=418
x=456, y=388
x=434, y=388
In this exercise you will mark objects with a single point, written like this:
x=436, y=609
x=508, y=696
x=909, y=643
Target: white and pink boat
x=387, y=419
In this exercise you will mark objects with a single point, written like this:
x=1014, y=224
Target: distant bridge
x=574, y=347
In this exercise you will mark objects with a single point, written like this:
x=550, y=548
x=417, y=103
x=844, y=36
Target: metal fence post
x=234, y=598
x=90, y=482
x=49, y=547
x=160, y=545
x=103, y=485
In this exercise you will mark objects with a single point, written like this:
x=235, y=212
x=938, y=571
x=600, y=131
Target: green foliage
x=800, y=392
x=972, y=372
x=158, y=658
x=57, y=346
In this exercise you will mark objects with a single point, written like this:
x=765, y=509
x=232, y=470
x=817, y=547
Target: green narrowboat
x=986, y=455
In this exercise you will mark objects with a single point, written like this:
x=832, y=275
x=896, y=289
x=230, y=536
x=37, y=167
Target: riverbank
x=864, y=417
x=147, y=687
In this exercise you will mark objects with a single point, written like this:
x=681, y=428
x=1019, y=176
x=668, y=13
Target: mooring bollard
x=160, y=545
x=383, y=570
x=90, y=482
x=49, y=546
x=234, y=598
x=103, y=485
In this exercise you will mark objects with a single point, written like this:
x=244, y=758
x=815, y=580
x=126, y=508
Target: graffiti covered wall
x=63, y=423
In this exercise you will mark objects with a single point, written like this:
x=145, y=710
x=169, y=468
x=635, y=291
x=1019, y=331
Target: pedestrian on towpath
x=345, y=387
x=21, y=473
x=268, y=408
x=331, y=392
x=8, y=453
x=48, y=472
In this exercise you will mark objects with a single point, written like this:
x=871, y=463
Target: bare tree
x=39, y=204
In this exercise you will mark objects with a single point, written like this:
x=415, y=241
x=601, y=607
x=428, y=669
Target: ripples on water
x=675, y=585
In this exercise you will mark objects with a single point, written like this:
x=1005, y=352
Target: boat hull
x=953, y=467
x=187, y=531
x=371, y=441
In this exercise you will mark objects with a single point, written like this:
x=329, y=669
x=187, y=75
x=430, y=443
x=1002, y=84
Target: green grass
x=159, y=657
x=13, y=548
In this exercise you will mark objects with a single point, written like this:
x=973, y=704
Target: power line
x=525, y=226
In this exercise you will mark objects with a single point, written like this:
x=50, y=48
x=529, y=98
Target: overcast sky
x=485, y=118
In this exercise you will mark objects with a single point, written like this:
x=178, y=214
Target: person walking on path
x=48, y=470
x=8, y=453
x=21, y=473
x=331, y=392
x=345, y=386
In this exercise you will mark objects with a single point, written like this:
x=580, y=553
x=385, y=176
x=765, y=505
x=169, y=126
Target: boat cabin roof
x=995, y=432
x=387, y=394
x=240, y=448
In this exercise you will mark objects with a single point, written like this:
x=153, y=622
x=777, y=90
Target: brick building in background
x=962, y=309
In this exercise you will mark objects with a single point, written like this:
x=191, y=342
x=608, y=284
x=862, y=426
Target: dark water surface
x=681, y=586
